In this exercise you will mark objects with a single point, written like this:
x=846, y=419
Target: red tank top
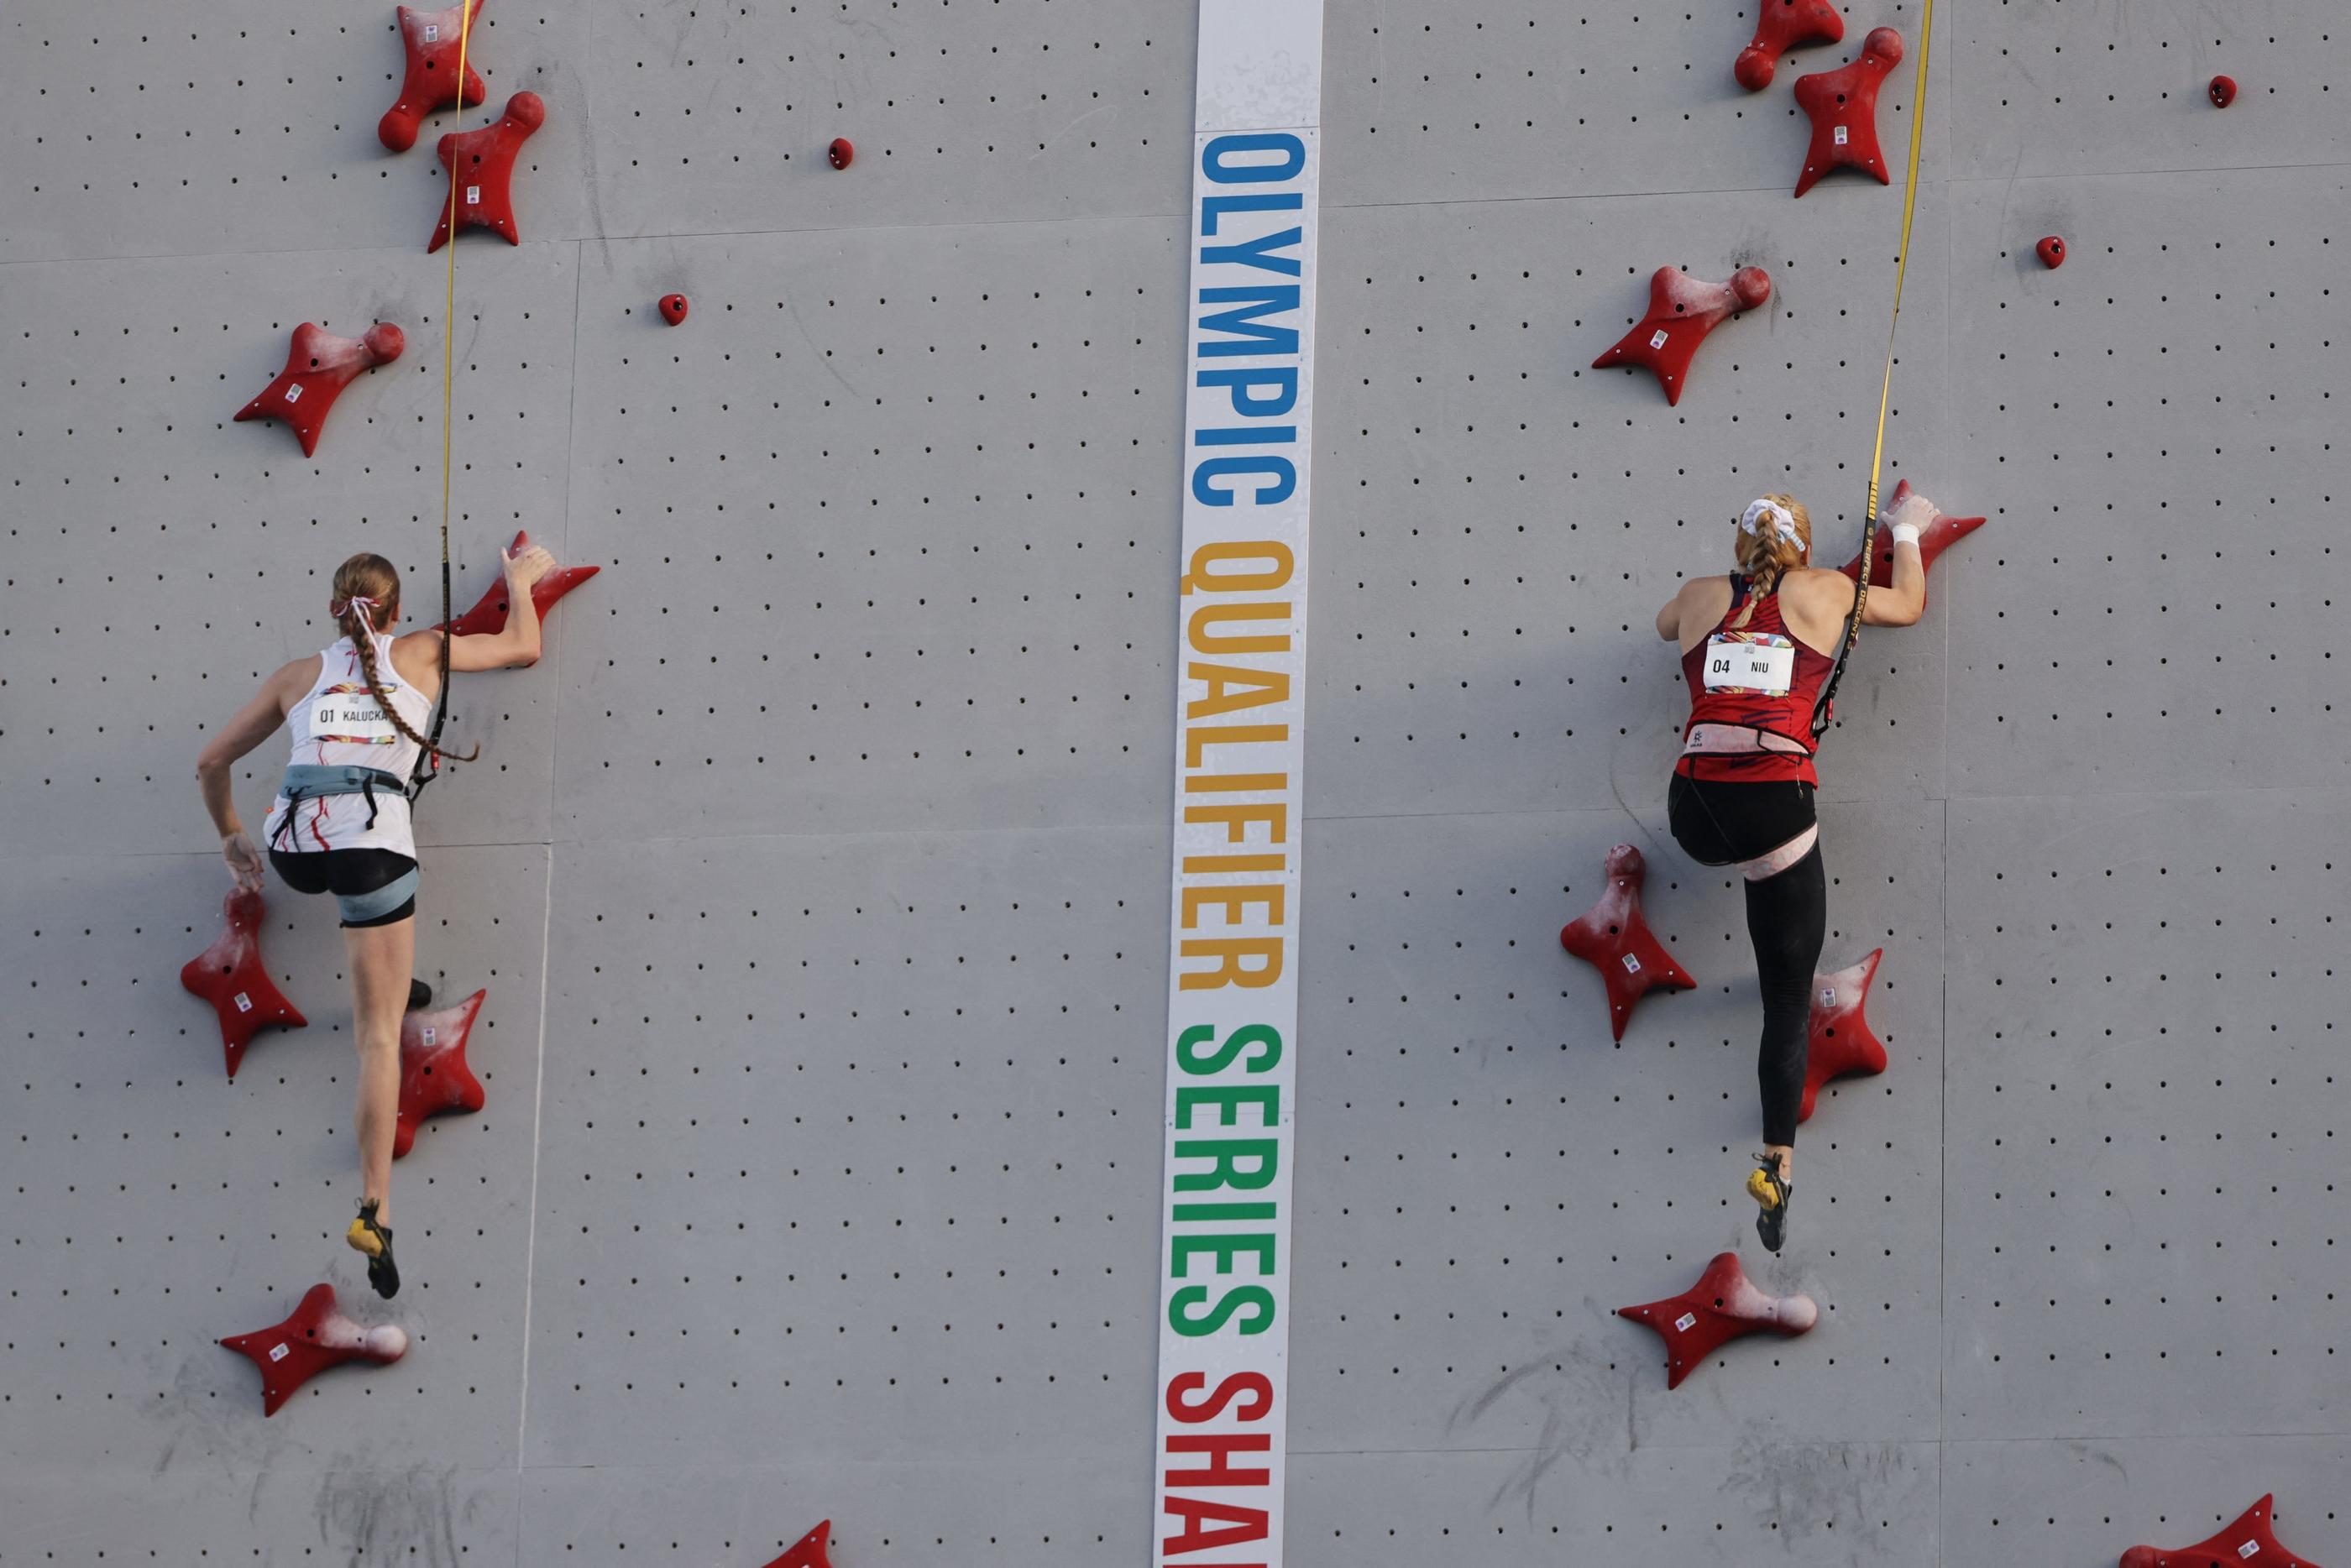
x=1758, y=677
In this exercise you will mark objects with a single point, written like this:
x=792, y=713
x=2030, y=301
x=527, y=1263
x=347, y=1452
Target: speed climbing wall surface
x=817, y=875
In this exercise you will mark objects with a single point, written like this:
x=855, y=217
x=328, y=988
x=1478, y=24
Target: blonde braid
x=372, y=577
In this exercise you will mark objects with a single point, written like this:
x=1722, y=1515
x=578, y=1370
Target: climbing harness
x=428, y=761
x=1823, y=710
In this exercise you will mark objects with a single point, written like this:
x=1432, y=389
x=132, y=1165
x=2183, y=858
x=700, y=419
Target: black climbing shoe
x=365, y=1235
x=419, y=996
x=1764, y=1185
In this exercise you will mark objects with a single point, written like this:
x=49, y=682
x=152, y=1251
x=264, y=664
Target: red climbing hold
x=434, y=1079
x=672, y=308
x=2052, y=252
x=316, y=1337
x=1781, y=26
x=1843, y=107
x=840, y=152
x=1933, y=540
x=1614, y=935
x=2224, y=90
x=318, y=367
x=488, y=615
x=1682, y=311
x=431, y=39
x=2247, y=1544
x=1840, y=1039
x=1722, y=1306
x=229, y=975
x=808, y=1551
x=484, y=197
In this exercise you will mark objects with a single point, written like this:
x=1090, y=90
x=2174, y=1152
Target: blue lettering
x=1241, y=323
x=1285, y=480
x=1214, y=207
x=1253, y=253
x=1283, y=378
x=1292, y=150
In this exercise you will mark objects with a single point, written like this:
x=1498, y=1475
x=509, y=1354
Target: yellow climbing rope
x=1886, y=386
x=429, y=765
x=1901, y=268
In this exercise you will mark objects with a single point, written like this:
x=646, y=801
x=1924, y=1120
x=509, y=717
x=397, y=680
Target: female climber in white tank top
x=358, y=712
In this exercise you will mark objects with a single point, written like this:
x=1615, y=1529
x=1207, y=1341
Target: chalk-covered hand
x=244, y=861
x=524, y=569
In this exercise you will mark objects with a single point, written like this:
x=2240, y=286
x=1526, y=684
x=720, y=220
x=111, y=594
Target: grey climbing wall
x=817, y=875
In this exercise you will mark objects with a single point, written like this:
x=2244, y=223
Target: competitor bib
x=350, y=713
x=1751, y=663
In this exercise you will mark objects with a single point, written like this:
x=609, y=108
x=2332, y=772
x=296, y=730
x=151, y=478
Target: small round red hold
x=2224, y=90
x=840, y=152
x=2052, y=252
x=672, y=308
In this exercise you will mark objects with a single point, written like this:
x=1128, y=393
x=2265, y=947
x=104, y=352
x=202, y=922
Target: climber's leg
x=380, y=958
x=1787, y=920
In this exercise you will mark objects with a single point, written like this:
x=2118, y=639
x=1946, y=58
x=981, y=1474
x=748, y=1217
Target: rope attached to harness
x=1822, y=707
x=428, y=762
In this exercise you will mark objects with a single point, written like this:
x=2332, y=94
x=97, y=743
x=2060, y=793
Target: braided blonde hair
x=362, y=580
x=1766, y=556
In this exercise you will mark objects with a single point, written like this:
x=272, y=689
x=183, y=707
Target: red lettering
x=1221, y=1446
x=1242, y=1525
x=1255, y=1384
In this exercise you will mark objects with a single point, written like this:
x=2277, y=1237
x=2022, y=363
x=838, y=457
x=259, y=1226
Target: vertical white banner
x=1240, y=711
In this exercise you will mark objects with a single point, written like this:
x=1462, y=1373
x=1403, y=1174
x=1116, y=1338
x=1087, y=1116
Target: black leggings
x=1718, y=823
x=346, y=873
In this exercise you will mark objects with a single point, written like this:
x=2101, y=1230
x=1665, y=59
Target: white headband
x=1783, y=521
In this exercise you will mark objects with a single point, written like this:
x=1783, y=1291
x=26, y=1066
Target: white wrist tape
x=1905, y=533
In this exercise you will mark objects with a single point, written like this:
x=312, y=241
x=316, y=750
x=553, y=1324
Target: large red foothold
x=229, y=975
x=808, y=1551
x=1614, y=937
x=318, y=366
x=481, y=165
x=1840, y=1041
x=2052, y=250
x=1722, y=1306
x=316, y=1337
x=488, y=615
x=1682, y=311
x=1933, y=540
x=841, y=153
x=2224, y=91
x=2247, y=1544
x=1781, y=26
x=434, y=1077
x=672, y=308
x=1843, y=107
x=431, y=39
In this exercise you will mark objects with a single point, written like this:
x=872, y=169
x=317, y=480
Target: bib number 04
x=1759, y=664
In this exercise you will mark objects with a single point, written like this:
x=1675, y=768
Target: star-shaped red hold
x=1841, y=1040
x=434, y=1077
x=1614, y=935
x=481, y=165
x=1682, y=311
x=1781, y=26
x=1843, y=106
x=488, y=615
x=1933, y=540
x=429, y=37
x=2247, y=1544
x=318, y=367
x=1722, y=1306
x=230, y=975
x=316, y=1337
x=808, y=1551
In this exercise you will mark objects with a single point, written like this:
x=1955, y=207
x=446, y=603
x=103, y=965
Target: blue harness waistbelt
x=316, y=781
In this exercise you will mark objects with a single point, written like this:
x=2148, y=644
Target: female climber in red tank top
x=339, y=823
x=1757, y=647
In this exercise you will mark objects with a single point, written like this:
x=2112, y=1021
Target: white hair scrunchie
x=1782, y=521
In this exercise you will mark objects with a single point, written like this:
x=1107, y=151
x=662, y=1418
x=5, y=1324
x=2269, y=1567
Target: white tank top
x=340, y=724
